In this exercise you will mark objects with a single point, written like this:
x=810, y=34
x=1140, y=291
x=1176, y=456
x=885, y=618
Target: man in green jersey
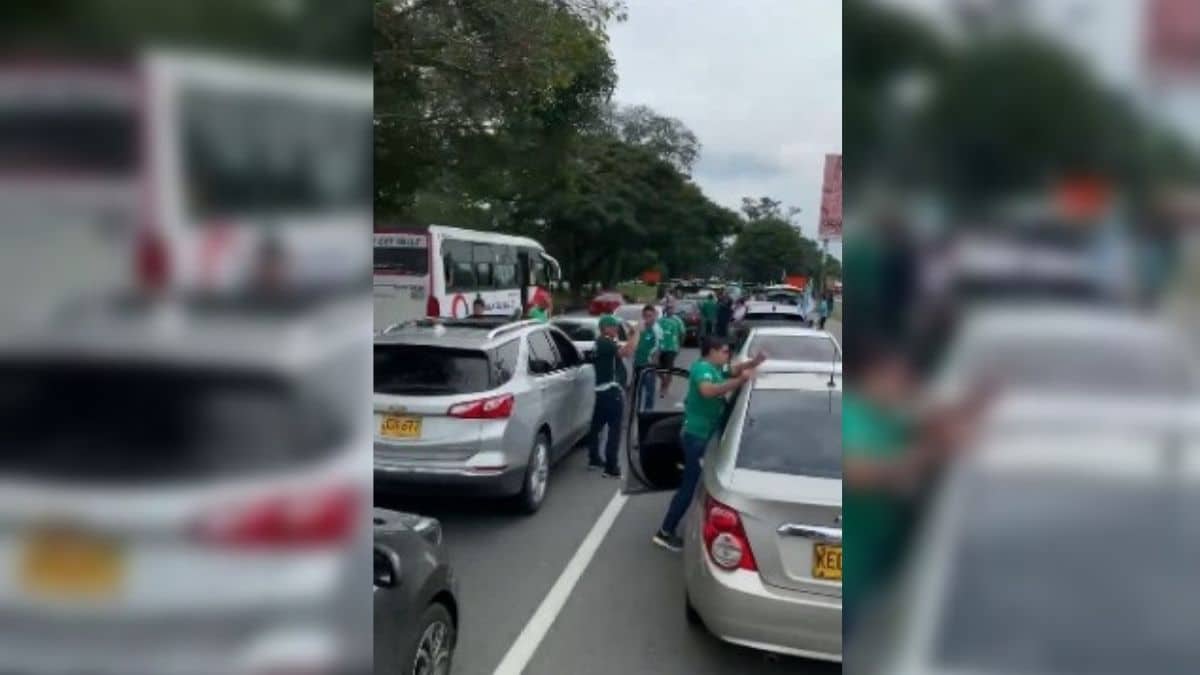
x=673, y=331
x=703, y=412
x=708, y=316
x=649, y=343
x=610, y=402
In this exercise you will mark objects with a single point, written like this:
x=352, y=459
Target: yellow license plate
x=72, y=565
x=397, y=426
x=827, y=561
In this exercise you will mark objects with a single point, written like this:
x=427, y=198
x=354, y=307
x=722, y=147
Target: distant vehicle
x=763, y=537
x=583, y=332
x=781, y=294
x=1071, y=350
x=440, y=271
x=806, y=347
x=689, y=311
x=605, y=303
x=760, y=314
x=162, y=172
x=416, y=606
x=478, y=407
x=630, y=312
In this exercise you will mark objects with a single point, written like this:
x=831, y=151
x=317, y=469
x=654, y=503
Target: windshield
x=1044, y=579
x=402, y=261
x=435, y=371
x=795, y=348
x=776, y=418
x=578, y=332
x=68, y=134
x=112, y=422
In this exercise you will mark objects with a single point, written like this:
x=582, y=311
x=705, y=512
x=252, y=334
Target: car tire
x=432, y=650
x=537, y=476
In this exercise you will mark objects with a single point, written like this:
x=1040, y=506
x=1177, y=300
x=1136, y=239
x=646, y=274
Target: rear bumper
x=739, y=608
x=427, y=478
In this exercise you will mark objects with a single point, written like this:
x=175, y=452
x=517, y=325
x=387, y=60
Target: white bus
x=440, y=271
x=168, y=171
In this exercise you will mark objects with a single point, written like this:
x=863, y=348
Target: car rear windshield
x=402, y=261
x=774, y=317
x=430, y=370
x=794, y=348
x=1044, y=578
x=793, y=432
x=120, y=423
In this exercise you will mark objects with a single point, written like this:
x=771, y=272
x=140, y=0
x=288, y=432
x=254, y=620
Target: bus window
x=402, y=261
x=460, y=270
x=484, y=258
x=256, y=154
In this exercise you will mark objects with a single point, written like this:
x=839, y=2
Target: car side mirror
x=539, y=366
x=387, y=569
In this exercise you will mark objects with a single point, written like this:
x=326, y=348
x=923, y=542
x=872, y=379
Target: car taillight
x=496, y=407
x=299, y=520
x=725, y=539
x=433, y=307
x=152, y=261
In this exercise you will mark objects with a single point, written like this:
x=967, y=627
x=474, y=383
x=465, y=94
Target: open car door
x=653, y=446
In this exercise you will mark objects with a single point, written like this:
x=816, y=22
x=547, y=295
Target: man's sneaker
x=611, y=474
x=671, y=542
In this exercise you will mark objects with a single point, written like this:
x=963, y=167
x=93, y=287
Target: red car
x=605, y=303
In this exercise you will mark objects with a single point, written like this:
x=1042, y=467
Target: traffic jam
x=533, y=453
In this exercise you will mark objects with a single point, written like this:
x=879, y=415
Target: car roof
x=794, y=376
x=577, y=319
x=1056, y=320
x=457, y=334
x=767, y=307
x=171, y=334
x=790, y=331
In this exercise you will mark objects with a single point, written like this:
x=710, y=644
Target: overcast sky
x=760, y=83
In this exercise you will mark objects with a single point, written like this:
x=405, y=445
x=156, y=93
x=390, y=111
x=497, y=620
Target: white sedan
x=793, y=345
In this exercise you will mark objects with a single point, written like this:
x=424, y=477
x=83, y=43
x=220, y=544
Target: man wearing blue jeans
x=648, y=346
x=702, y=413
x=610, y=403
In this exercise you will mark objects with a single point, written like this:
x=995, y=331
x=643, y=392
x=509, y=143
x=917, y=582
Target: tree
x=770, y=248
x=666, y=137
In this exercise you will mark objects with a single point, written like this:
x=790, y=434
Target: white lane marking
x=522, y=651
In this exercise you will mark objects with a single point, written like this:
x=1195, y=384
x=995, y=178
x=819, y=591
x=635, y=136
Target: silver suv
x=478, y=408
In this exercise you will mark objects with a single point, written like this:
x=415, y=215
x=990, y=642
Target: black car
x=416, y=601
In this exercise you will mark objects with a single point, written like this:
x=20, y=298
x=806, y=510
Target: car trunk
x=415, y=388
x=794, y=527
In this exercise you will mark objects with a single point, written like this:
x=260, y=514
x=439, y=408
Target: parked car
x=815, y=348
x=605, y=303
x=416, y=596
x=689, y=311
x=762, y=557
x=474, y=408
x=629, y=312
x=757, y=314
x=198, y=475
x=583, y=331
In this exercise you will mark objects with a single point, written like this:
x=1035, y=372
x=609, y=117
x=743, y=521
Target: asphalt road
x=623, y=615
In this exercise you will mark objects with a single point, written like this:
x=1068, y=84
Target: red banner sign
x=1172, y=45
x=830, y=226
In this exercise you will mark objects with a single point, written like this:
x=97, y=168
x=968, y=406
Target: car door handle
x=814, y=532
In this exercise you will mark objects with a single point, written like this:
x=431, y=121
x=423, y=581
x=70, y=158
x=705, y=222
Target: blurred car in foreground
x=762, y=556
x=760, y=314
x=1017, y=570
x=605, y=303
x=1069, y=350
x=184, y=492
x=810, y=346
x=478, y=407
x=416, y=600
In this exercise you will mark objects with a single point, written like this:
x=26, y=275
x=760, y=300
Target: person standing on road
x=648, y=344
x=610, y=400
x=478, y=308
x=539, y=311
x=824, y=309
x=703, y=410
x=724, y=314
x=708, y=316
x=673, y=331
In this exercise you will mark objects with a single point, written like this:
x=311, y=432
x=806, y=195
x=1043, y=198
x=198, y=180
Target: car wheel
x=434, y=650
x=537, y=476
